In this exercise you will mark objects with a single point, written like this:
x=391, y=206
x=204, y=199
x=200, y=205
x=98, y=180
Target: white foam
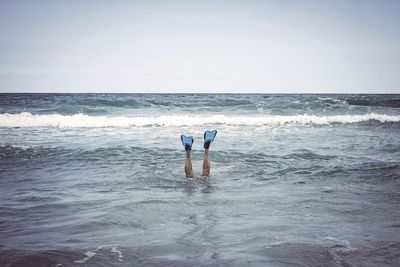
x=26, y=119
x=88, y=254
x=115, y=250
x=345, y=246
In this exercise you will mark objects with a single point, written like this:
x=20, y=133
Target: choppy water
x=296, y=180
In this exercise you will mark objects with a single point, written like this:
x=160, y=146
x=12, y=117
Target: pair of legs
x=187, y=142
x=206, y=164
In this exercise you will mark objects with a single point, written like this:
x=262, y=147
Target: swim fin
x=209, y=137
x=187, y=142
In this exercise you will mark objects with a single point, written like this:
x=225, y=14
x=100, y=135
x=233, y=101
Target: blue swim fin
x=187, y=142
x=209, y=137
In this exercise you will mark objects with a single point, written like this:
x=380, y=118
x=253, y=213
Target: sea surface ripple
x=296, y=180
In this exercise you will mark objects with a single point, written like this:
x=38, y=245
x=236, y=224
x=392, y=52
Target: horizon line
x=212, y=93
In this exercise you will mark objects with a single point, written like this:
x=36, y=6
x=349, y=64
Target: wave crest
x=26, y=119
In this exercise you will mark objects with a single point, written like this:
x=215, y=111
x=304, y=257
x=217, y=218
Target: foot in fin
x=209, y=137
x=187, y=142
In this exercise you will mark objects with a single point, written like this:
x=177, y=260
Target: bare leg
x=188, y=165
x=206, y=164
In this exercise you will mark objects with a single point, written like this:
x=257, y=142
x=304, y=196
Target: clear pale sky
x=200, y=46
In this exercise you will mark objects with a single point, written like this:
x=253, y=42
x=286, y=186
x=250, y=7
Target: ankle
x=207, y=145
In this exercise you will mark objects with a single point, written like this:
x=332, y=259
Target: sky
x=188, y=46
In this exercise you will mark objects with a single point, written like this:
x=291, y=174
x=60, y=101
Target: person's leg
x=206, y=162
x=188, y=165
x=208, y=139
x=187, y=142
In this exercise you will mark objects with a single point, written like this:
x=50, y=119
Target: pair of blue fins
x=209, y=136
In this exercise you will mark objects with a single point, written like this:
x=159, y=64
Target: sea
x=296, y=180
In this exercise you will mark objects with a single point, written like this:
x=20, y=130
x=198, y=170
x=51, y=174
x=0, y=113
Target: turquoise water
x=296, y=180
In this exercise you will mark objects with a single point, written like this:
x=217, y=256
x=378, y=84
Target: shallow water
x=296, y=180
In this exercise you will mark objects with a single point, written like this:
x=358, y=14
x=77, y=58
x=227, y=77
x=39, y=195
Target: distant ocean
x=296, y=180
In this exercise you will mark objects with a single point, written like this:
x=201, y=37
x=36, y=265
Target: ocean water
x=296, y=180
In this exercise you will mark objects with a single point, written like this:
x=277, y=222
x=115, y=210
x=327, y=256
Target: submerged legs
x=187, y=142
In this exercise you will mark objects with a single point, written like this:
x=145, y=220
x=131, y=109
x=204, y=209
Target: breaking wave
x=26, y=119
